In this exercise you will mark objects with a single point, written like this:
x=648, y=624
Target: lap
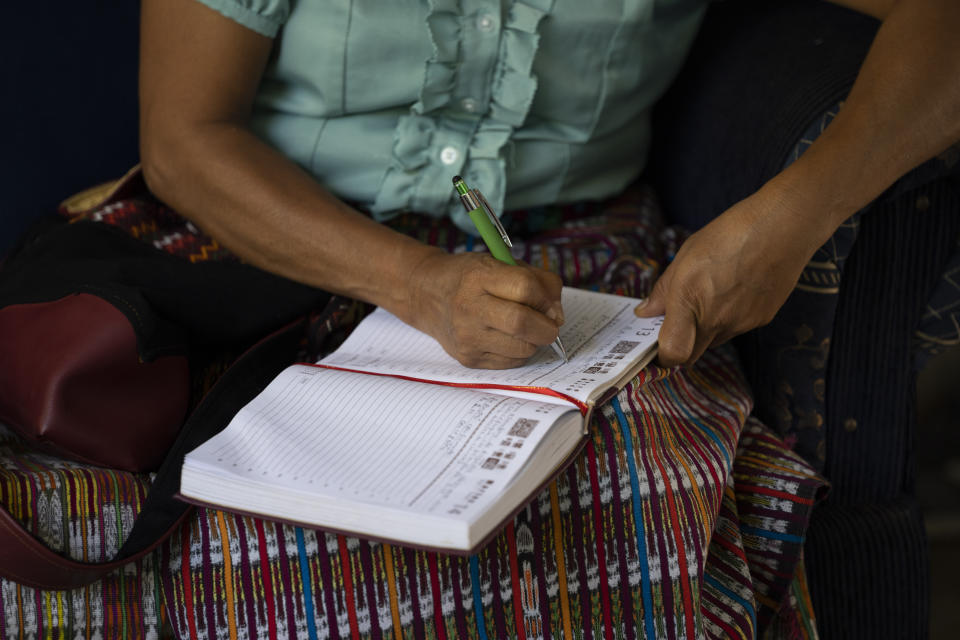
x=639, y=535
x=657, y=528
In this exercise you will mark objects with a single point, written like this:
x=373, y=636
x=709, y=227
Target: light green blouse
x=532, y=101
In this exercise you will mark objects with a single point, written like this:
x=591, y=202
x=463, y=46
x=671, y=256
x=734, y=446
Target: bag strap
x=26, y=560
x=238, y=385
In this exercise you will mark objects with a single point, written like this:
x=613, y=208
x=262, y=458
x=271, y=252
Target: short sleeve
x=263, y=16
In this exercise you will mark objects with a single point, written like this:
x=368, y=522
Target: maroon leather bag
x=73, y=383
x=27, y=560
x=101, y=325
x=114, y=352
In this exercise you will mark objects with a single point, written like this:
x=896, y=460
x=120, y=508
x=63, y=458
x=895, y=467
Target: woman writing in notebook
x=296, y=133
x=263, y=142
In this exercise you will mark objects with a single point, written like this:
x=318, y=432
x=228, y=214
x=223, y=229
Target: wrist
x=809, y=201
x=414, y=294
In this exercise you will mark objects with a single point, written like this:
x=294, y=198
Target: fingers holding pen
x=534, y=289
x=518, y=302
x=518, y=320
x=484, y=313
x=523, y=302
x=492, y=349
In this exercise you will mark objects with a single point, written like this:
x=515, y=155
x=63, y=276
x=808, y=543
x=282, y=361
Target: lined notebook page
x=601, y=334
x=378, y=440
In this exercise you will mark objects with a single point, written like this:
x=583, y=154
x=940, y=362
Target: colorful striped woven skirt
x=681, y=518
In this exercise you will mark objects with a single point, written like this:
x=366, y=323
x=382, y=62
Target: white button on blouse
x=486, y=22
x=449, y=155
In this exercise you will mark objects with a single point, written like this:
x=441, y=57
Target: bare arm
x=735, y=273
x=903, y=109
x=199, y=72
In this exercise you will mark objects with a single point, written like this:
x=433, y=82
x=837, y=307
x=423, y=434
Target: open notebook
x=424, y=451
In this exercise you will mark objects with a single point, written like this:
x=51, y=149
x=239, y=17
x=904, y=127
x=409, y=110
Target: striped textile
x=85, y=513
x=648, y=534
x=661, y=528
x=774, y=490
x=146, y=219
x=654, y=531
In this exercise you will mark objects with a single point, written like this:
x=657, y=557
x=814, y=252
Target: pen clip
x=493, y=218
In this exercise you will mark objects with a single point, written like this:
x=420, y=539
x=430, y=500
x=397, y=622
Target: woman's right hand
x=199, y=74
x=484, y=313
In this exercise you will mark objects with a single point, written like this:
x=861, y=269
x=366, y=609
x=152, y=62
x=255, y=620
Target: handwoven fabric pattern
x=646, y=534
x=772, y=487
x=802, y=338
x=939, y=328
x=643, y=536
x=661, y=528
x=146, y=219
x=85, y=513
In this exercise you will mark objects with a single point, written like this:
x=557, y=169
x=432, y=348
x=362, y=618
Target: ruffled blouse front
x=532, y=101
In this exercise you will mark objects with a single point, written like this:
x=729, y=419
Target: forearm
x=904, y=108
x=735, y=273
x=268, y=211
x=199, y=76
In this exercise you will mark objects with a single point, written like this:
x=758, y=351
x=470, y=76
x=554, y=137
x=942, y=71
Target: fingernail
x=641, y=306
x=555, y=313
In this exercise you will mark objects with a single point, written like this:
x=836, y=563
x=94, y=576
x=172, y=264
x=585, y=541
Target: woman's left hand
x=734, y=274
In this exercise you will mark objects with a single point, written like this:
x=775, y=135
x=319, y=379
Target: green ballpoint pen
x=492, y=232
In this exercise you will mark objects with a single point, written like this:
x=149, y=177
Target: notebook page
x=601, y=334
x=404, y=445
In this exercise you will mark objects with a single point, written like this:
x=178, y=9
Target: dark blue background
x=68, y=72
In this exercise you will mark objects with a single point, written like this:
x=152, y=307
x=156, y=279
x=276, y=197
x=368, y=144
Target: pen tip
x=457, y=179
